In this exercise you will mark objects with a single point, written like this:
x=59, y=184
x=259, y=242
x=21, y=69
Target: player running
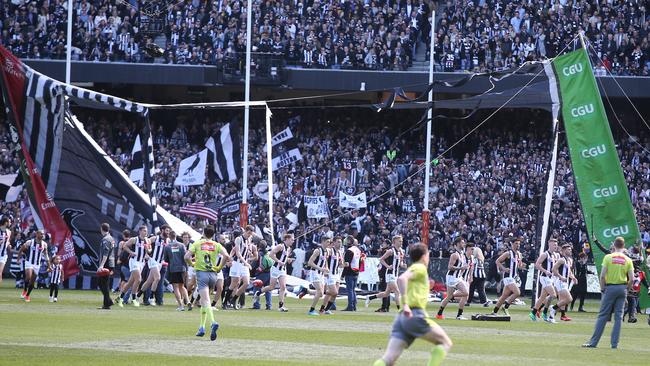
x=414, y=322
x=207, y=265
x=5, y=247
x=35, y=250
x=510, y=274
x=562, y=273
x=544, y=264
x=456, y=286
x=138, y=249
x=280, y=255
x=333, y=278
x=240, y=271
x=318, y=264
x=155, y=262
x=393, y=261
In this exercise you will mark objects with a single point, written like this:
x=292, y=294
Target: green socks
x=204, y=315
x=210, y=313
x=438, y=354
x=379, y=362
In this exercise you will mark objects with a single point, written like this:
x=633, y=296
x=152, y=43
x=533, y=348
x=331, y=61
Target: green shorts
x=408, y=329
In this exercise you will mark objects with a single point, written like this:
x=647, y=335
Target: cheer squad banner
x=602, y=189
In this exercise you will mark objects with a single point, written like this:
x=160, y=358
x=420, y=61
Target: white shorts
x=545, y=281
x=3, y=259
x=332, y=280
x=560, y=285
x=314, y=277
x=153, y=264
x=277, y=273
x=135, y=265
x=32, y=266
x=508, y=281
x=390, y=278
x=239, y=270
x=220, y=275
x=452, y=281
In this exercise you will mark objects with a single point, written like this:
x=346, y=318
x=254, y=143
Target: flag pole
x=68, y=55
x=427, y=172
x=243, y=211
x=269, y=170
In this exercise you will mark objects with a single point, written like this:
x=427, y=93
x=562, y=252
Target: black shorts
x=176, y=277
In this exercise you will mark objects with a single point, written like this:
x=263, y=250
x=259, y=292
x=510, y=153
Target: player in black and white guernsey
x=56, y=278
x=35, y=250
x=333, y=278
x=138, y=248
x=478, y=277
x=123, y=265
x=5, y=247
x=242, y=253
x=456, y=286
x=393, y=260
x=510, y=272
x=563, y=273
x=544, y=265
x=468, y=274
x=319, y=267
x=280, y=255
x=155, y=262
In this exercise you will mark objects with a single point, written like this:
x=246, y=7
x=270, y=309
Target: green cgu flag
x=603, y=192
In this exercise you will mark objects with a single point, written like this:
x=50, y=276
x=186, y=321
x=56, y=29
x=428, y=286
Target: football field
x=73, y=332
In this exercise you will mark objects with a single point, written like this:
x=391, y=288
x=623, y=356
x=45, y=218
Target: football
x=103, y=272
x=258, y=283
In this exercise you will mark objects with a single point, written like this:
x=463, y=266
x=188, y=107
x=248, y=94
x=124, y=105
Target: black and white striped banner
x=43, y=126
x=285, y=149
x=149, y=167
x=137, y=166
x=43, y=122
x=10, y=187
x=224, y=152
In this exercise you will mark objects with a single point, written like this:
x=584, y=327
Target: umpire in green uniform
x=616, y=277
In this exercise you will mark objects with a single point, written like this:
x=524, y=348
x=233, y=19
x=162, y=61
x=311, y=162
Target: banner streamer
x=603, y=192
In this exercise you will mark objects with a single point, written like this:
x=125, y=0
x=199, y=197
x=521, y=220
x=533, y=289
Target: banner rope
x=422, y=166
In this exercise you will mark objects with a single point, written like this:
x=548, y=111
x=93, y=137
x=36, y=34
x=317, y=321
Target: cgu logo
x=592, y=152
x=605, y=192
x=616, y=231
x=572, y=70
x=582, y=110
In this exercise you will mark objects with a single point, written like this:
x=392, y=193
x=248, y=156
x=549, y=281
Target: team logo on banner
x=317, y=207
x=191, y=171
x=350, y=201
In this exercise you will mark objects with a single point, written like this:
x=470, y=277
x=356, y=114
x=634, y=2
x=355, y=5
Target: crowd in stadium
x=486, y=188
x=502, y=34
x=478, y=35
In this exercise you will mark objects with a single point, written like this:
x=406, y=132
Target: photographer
x=579, y=290
x=633, y=294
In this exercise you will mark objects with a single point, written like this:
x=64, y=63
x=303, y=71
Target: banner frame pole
x=427, y=172
x=243, y=219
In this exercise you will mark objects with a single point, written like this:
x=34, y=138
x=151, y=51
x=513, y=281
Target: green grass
x=73, y=332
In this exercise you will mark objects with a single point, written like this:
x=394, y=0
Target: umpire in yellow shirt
x=616, y=277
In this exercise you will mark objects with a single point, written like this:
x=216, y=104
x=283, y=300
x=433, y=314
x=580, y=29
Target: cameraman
x=633, y=295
